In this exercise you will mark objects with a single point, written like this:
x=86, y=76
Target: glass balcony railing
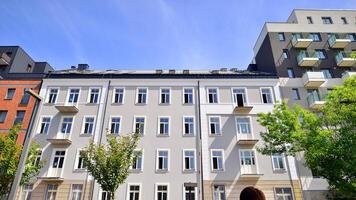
x=339, y=40
x=341, y=56
x=297, y=36
x=315, y=96
x=306, y=54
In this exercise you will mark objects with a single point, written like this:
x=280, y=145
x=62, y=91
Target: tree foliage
x=109, y=164
x=328, y=140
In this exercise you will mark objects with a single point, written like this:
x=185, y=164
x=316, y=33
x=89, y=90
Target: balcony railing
x=313, y=79
x=307, y=58
x=346, y=59
x=348, y=74
x=316, y=99
x=339, y=40
x=301, y=40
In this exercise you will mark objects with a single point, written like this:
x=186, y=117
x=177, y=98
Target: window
x=189, y=160
x=29, y=68
x=26, y=192
x=243, y=125
x=58, y=159
x=142, y=95
x=163, y=126
x=3, y=114
x=290, y=73
x=188, y=125
x=310, y=20
x=73, y=95
x=326, y=20
x=77, y=191
x=217, y=160
x=351, y=36
x=106, y=195
x=239, y=96
x=67, y=125
x=19, y=117
x=278, y=162
x=119, y=95
x=214, y=124
x=315, y=36
x=115, y=125
x=284, y=194
x=25, y=98
x=38, y=158
x=52, y=96
x=162, y=160
x=88, y=127
x=80, y=164
x=219, y=192
x=188, y=95
x=134, y=192
x=281, y=36
x=285, y=54
x=94, y=95
x=344, y=21
x=137, y=162
x=327, y=73
x=247, y=157
x=140, y=125
x=51, y=192
x=45, y=123
x=320, y=54
x=165, y=95
x=189, y=193
x=10, y=93
x=162, y=192
x=213, y=95
x=295, y=94
x=266, y=95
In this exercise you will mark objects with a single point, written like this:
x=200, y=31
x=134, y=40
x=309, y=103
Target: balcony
x=313, y=79
x=339, y=41
x=346, y=59
x=347, y=74
x=4, y=59
x=50, y=179
x=250, y=172
x=242, y=109
x=61, y=139
x=316, y=100
x=246, y=139
x=307, y=58
x=251, y=176
x=300, y=40
x=67, y=108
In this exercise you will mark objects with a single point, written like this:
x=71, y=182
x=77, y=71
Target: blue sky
x=145, y=34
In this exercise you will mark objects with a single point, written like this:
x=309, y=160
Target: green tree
x=109, y=164
x=328, y=140
x=10, y=153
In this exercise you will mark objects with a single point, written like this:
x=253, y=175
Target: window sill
x=85, y=135
x=117, y=104
x=140, y=104
x=163, y=136
x=279, y=171
x=80, y=170
x=189, y=171
x=189, y=135
x=217, y=171
x=135, y=171
x=161, y=171
x=215, y=135
x=92, y=104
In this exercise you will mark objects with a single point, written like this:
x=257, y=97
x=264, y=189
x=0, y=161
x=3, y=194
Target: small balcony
x=4, y=59
x=60, y=139
x=242, y=109
x=338, y=41
x=301, y=40
x=67, y=108
x=250, y=172
x=307, y=58
x=51, y=179
x=313, y=79
x=347, y=74
x=316, y=100
x=246, y=139
x=346, y=59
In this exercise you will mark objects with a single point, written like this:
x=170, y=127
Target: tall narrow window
x=281, y=36
x=137, y=162
x=3, y=114
x=10, y=93
x=161, y=192
x=295, y=94
x=327, y=73
x=67, y=125
x=165, y=95
x=25, y=98
x=188, y=95
x=163, y=126
x=38, y=157
x=94, y=95
x=284, y=193
x=105, y=195
x=88, y=125
x=73, y=95
x=77, y=190
x=315, y=36
x=243, y=125
x=190, y=193
x=45, y=123
x=188, y=126
x=291, y=73
x=140, y=125
x=19, y=117
x=247, y=158
x=320, y=53
x=26, y=192
x=134, y=192
x=162, y=160
x=217, y=160
x=115, y=125
x=189, y=160
x=142, y=95
x=58, y=159
x=214, y=124
x=80, y=164
x=219, y=192
x=51, y=192
x=52, y=96
x=119, y=95
x=266, y=94
x=285, y=54
x=344, y=21
x=278, y=162
x=310, y=20
x=213, y=95
x=239, y=95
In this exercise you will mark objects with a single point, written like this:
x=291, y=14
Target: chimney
x=83, y=66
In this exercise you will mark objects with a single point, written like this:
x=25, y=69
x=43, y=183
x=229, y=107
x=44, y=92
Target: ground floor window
x=77, y=191
x=219, y=192
x=283, y=194
x=26, y=192
x=134, y=192
x=51, y=191
x=105, y=195
x=189, y=193
x=161, y=192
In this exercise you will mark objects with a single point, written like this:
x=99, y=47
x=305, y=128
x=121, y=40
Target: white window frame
x=39, y=149
x=61, y=122
x=40, y=124
x=246, y=100
x=194, y=129
x=217, y=94
x=255, y=158
x=283, y=160
x=89, y=94
x=68, y=94
x=193, y=99
x=71, y=190
x=159, y=126
x=157, y=160
x=48, y=93
x=160, y=95
x=275, y=192
x=142, y=159
x=120, y=126
x=128, y=190
x=250, y=122
x=195, y=160
x=47, y=191
x=83, y=124
x=272, y=95
x=114, y=93
x=77, y=160
x=25, y=191
x=211, y=161
x=137, y=93
x=220, y=129
x=144, y=126
x=195, y=193
x=156, y=189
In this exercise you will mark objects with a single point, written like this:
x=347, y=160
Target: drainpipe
x=200, y=142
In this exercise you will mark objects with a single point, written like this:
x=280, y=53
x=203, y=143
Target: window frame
x=90, y=93
x=142, y=160
x=310, y=20
x=71, y=190
x=54, y=150
x=297, y=93
x=254, y=156
x=68, y=95
x=61, y=122
x=6, y=112
x=40, y=124
x=144, y=124
x=157, y=161
x=137, y=94
x=49, y=92
x=272, y=96
x=194, y=129
x=16, y=117
x=276, y=195
x=128, y=190
x=114, y=94
x=52, y=191
x=344, y=20
x=281, y=34
x=323, y=18
x=186, y=191
x=183, y=96
x=283, y=160
x=195, y=161
x=159, y=126
x=83, y=125
x=7, y=94
x=217, y=95
x=156, y=189
x=169, y=95
x=120, y=125
x=250, y=124
x=211, y=161
x=209, y=127
x=245, y=100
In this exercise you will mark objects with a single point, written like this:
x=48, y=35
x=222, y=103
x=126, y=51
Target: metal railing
x=333, y=37
x=315, y=96
x=345, y=54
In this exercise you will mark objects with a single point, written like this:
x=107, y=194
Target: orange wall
x=13, y=105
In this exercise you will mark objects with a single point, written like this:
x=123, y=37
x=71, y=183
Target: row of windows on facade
x=316, y=37
x=310, y=92
x=326, y=72
x=162, y=192
x=165, y=95
x=243, y=125
x=20, y=114
x=11, y=93
x=327, y=20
